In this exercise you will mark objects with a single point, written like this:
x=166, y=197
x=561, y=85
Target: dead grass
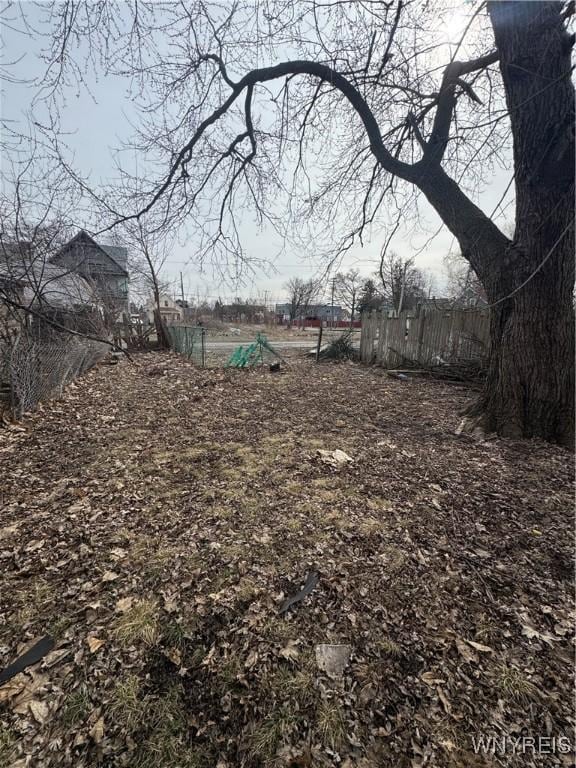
x=394, y=558
x=333, y=517
x=127, y=705
x=267, y=736
x=7, y=744
x=388, y=647
x=331, y=724
x=379, y=505
x=293, y=687
x=370, y=525
x=154, y=559
x=228, y=672
x=246, y=589
x=514, y=684
x=178, y=634
x=34, y=600
x=139, y=624
x=276, y=630
x=165, y=742
x=76, y=708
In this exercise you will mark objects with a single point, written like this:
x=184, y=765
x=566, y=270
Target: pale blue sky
x=97, y=123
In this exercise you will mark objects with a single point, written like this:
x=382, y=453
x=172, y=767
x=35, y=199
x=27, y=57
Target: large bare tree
x=149, y=251
x=301, y=293
x=347, y=288
x=463, y=287
x=238, y=101
x=403, y=284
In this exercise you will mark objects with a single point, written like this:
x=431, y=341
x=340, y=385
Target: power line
x=535, y=272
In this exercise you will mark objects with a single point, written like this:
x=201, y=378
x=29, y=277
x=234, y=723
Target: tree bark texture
x=530, y=384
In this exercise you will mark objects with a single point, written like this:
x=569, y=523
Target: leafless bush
x=341, y=348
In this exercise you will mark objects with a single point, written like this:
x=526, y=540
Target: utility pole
x=182, y=289
x=333, y=289
x=402, y=288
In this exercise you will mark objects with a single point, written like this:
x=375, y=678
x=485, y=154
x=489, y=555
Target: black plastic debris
x=311, y=582
x=32, y=656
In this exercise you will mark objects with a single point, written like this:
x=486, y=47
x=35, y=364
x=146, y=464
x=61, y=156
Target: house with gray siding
x=102, y=266
x=313, y=314
x=35, y=294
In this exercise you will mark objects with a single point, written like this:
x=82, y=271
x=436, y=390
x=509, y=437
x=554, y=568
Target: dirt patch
x=155, y=524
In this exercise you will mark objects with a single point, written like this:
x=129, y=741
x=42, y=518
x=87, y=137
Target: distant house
x=188, y=312
x=325, y=313
x=170, y=310
x=314, y=315
x=240, y=312
x=103, y=266
x=469, y=299
x=376, y=303
x=437, y=303
x=474, y=296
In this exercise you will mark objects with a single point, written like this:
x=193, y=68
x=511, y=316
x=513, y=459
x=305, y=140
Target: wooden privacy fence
x=428, y=338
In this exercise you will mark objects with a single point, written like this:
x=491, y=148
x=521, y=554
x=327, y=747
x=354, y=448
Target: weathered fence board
x=426, y=338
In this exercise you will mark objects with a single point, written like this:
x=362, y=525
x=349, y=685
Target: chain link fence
x=37, y=369
x=190, y=341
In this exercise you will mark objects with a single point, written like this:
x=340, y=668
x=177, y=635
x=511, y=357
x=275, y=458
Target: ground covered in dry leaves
x=154, y=519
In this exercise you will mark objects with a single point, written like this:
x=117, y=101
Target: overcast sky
x=96, y=124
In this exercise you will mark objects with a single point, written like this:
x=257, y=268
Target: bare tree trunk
x=530, y=386
x=529, y=390
x=161, y=333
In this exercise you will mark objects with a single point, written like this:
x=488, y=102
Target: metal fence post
x=203, y=348
x=319, y=345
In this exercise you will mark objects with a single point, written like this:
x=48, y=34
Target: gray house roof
x=116, y=252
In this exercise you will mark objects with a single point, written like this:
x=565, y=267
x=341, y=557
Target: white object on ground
x=333, y=659
x=335, y=458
